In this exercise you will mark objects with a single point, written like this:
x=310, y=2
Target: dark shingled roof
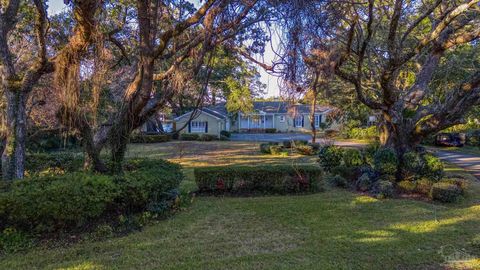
x=220, y=111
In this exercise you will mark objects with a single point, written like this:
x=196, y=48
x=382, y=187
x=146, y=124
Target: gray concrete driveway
x=470, y=163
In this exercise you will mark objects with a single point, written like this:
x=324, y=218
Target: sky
x=56, y=6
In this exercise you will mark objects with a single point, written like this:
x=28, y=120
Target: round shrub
x=368, y=153
x=364, y=182
x=433, y=167
x=384, y=189
x=385, y=161
x=337, y=181
x=189, y=137
x=315, y=146
x=265, y=148
x=352, y=157
x=330, y=156
x=445, y=192
x=207, y=137
x=287, y=144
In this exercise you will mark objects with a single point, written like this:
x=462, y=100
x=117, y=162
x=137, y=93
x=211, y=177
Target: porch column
x=264, y=121
x=248, y=122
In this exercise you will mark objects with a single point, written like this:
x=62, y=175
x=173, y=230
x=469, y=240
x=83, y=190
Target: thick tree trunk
x=93, y=161
x=13, y=157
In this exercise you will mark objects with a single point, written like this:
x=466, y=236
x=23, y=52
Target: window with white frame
x=197, y=126
x=281, y=118
x=299, y=121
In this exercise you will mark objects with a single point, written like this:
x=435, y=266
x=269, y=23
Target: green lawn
x=335, y=229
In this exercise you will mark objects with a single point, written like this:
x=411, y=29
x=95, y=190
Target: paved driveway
x=469, y=162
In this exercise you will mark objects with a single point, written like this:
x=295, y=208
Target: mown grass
x=336, y=229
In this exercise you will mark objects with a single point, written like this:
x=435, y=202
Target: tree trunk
x=13, y=157
x=312, y=117
x=93, y=161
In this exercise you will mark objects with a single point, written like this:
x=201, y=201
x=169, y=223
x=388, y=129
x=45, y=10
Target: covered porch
x=256, y=122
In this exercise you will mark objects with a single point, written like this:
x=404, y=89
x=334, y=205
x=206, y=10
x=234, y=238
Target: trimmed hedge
x=330, y=156
x=44, y=204
x=270, y=130
x=53, y=162
x=146, y=138
x=208, y=137
x=189, y=137
x=276, y=179
x=306, y=150
x=225, y=133
x=445, y=192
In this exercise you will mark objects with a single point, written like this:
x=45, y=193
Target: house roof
x=220, y=111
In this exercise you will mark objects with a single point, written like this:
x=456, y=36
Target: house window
x=281, y=118
x=299, y=121
x=318, y=120
x=197, y=126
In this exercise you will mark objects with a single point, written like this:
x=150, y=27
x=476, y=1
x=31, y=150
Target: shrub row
x=148, y=138
x=361, y=133
x=301, y=147
x=42, y=204
x=278, y=179
x=198, y=137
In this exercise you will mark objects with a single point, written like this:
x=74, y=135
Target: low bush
x=224, y=138
x=337, y=181
x=349, y=173
x=270, y=130
x=46, y=140
x=43, y=204
x=461, y=183
x=306, y=150
x=265, y=147
x=148, y=138
x=362, y=133
x=412, y=165
x=445, y=192
x=352, y=157
x=265, y=179
x=385, y=161
x=55, y=162
x=407, y=186
x=12, y=241
x=383, y=189
x=423, y=186
x=276, y=149
x=433, y=168
x=189, y=137
x=207, y=137
x=225, y=133
x=364, y=182
x=330, y=156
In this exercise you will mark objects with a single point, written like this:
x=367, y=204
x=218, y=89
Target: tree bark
x=312, y=117
x=13, y=157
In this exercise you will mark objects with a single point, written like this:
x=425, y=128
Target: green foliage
x=352, y=157
x=50, y=140
x=270, y=130
x=56, y=162
x=287, y=144
x=300, y=142
x=50, y=203
x=445, y=192
x=337, y=181
x=207, y=137
x=225, y=133
x=423, y=186
x=385, y=161
x=189, y=137
x=276, y=149
x=369, y=152
x=265, y=148
x=240, y=98
x=279, y=179
x=330, y=156
x=361, y=133
x=144, y=138
x=306, y=150
x=383, y=189
x=349, y=173
x=364, y=182
x=412, y=165
x=12, y=241
x=407, y=186
x=433, y=168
